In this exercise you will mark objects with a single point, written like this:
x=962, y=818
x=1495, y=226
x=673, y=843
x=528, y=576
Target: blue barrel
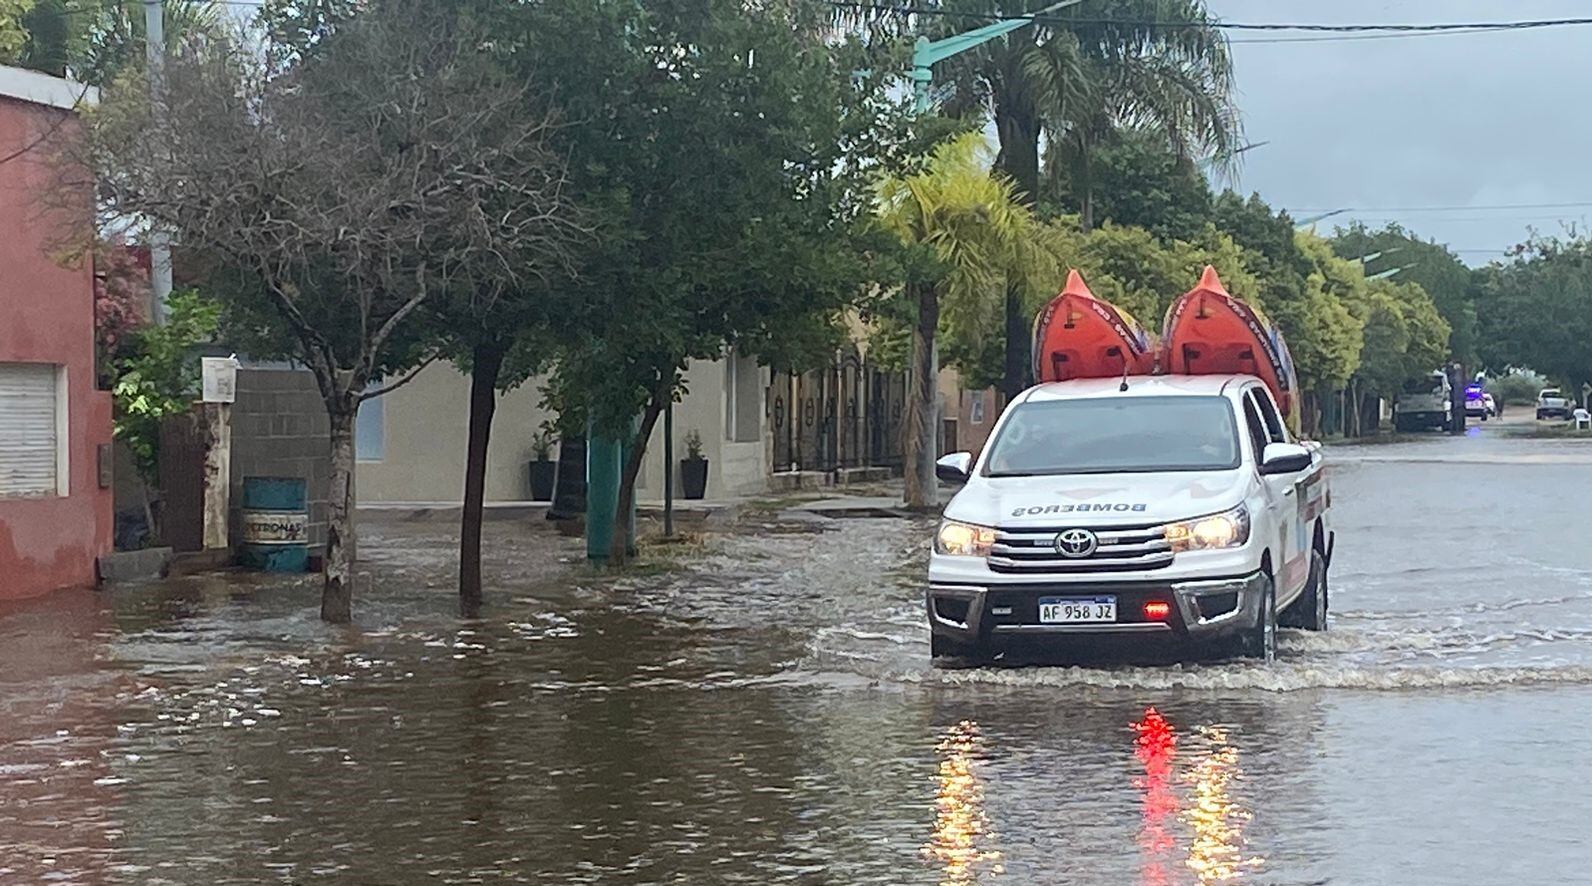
x=274, y=529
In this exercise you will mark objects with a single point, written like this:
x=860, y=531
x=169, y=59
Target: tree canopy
x=1537, y=305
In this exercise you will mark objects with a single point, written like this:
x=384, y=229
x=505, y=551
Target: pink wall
x=47, y=316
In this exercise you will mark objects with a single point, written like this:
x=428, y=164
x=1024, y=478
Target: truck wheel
x=1260, y=641
x=1310, y=610
x=945, y=652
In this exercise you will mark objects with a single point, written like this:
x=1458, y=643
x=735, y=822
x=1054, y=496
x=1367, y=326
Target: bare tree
x=393, y=163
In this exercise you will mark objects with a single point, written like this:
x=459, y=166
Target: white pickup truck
x=1141, y=509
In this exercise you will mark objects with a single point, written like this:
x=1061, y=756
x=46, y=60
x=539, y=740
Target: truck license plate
x=1073, y=610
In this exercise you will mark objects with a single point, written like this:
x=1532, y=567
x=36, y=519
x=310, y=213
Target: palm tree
x=1170, y=81
x=1156, y=64
x=964, y=234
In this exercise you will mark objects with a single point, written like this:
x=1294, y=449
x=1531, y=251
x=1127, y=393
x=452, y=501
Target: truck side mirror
x=954, y=468
x=1284, y=458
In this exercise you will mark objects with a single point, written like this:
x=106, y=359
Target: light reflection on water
x=1155, y=746
x=1217, y=851
x=963, y=842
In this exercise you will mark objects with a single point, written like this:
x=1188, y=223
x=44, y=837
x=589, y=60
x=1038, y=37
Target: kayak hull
x=1210, y=332
x=1080, y=336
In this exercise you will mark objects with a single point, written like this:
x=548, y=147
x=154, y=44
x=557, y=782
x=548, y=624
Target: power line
x=1390, y=28
x=1455, y=208
x=1349, y=38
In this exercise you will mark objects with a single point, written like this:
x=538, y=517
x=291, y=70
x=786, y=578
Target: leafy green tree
x=1138, y=181
x=1537, y=307
x=1142, y=273
x=1158, y=65
x=1427, y=263
x=94, y=41
x=710, y=141
x=13, y=29
x=154, y=376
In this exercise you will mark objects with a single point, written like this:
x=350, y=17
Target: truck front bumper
x=1200, y=609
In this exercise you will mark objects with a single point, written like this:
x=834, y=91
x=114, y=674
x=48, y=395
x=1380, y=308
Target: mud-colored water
x=770, y=716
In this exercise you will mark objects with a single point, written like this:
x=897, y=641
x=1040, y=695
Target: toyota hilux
x=1156, y=508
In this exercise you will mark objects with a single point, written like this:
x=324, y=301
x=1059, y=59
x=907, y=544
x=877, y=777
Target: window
x=1112, y=435
x=33, y=430
x=1276, y=432
x=1257, y=428
x=743, y=399
x=976, y=413
x=370, y=429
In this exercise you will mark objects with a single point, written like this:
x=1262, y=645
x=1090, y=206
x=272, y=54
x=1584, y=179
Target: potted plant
x=543, y=468
x=694, y=468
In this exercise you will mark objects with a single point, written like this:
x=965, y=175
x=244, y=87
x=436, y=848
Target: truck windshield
x=1113, y=435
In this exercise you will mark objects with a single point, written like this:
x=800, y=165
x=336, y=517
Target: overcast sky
x=1455, y=120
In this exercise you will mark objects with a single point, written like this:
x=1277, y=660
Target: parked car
x=1424, y=403
x=1172, y=508
x=1552, y=403
x=1492, y=405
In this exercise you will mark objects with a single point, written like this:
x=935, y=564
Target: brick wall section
x=279, y=429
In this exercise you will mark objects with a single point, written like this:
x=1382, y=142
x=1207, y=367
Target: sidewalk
x=869, y=500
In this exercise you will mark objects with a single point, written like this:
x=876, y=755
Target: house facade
x=410, y=443
x=55, y=426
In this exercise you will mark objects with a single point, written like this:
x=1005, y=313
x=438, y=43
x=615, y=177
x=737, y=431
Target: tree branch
x=408, y=377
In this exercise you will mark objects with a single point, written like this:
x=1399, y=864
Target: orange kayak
x=1079, y=336
x=1210, y=332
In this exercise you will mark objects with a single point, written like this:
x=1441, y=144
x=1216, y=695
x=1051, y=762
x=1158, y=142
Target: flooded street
x=766, y=713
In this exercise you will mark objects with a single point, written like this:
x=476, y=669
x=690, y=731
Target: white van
x=1156, y=507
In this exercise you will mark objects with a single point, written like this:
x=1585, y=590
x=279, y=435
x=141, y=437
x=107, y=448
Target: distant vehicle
x=1425, y=403
x=1476, y=405
x=1492, y=405
x=1552, y=403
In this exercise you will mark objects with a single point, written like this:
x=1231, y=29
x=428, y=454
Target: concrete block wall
x=279, y=429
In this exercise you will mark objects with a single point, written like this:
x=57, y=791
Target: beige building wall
x=422, y=430
x=967, y=416
x=424, y=427
x=726, y=406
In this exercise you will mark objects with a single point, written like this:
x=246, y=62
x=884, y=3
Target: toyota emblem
x=1076, y=543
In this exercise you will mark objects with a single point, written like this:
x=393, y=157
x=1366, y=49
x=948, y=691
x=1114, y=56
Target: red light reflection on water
x=1155, y=745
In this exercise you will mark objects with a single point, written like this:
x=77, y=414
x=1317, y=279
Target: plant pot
x=694, y=477
x=543, y=472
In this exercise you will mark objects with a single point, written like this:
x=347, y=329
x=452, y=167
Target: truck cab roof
x=1139, y=386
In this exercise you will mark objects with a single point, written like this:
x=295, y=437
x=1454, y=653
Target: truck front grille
x=1118, y=549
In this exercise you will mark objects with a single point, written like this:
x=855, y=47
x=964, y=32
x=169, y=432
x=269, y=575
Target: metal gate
x=847, y=415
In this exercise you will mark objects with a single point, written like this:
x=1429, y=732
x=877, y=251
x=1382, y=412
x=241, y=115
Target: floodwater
x=769, y=716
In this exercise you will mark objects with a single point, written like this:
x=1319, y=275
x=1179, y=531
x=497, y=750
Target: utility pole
x=159, y=240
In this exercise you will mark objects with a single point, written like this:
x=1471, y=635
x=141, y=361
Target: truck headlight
x=1229, y=529
x=963, y=539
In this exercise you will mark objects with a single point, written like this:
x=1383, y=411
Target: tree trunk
x=619, y=547
x=485, y=363
x=1084, y=184
x=1018, y=127
x=569, y=487
x=922, y=490
x=337, y=593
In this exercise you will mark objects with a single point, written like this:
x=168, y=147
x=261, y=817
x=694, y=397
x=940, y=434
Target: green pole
x=627, y=446
x=926, y=53
x=604, y=458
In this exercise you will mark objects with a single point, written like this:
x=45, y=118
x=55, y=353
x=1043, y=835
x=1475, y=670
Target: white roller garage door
x=28, y=421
